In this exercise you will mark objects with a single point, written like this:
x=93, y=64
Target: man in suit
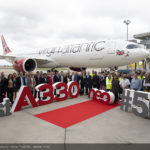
x=26, y=78
x=72, y=77
x=61, y=77
x=37, y=78
x=31, y=83
x=4, y=84
x=1, y=90
x=103, y=80
x=89, y=82
x=100, y=80
x=85, y=83
x=44, y=79
x=81, y=84
x=96, y=81
x=38, y=81
x=75, y=77
x=56, y=77
x=20, y=81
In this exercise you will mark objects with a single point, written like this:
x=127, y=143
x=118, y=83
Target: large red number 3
x=61, y=89
x=46, y=94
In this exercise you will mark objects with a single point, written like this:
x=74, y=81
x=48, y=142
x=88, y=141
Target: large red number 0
x=73, y=89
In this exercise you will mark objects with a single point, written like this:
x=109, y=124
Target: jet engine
x=25, y=65
x=77, y=69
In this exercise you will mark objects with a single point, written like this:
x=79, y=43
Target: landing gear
x=52, y=70
x=83, y=69
x=77, y=69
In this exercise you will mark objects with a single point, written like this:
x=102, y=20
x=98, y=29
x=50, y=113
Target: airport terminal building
x=145, y=40
x=143, y=65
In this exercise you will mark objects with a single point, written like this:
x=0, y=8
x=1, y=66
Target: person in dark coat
x=10, y=87
x=115, y=88
x=56, y=77
x=20, y=81
x=85, y=83
x=103, y=80
x=73, y=77
x=67, y=77
x=89, y=82
x=1, y=90
x=81, y=84
x=15, y=85
x=26, y=75
x=37, y=78
x=4, y=84
x=96, y=81
x=129, y=77
x=77, y=77
x=62, y=77
x=44, y=79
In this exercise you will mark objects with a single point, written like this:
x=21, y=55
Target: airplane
x=77, y=57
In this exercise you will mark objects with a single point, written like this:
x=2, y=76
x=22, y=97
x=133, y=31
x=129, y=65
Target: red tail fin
x=5, y=47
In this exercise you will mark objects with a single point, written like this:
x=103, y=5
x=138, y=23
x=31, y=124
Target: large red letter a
x=23, y=94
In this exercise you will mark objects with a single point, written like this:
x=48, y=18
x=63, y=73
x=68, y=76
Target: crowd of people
x=109, y=81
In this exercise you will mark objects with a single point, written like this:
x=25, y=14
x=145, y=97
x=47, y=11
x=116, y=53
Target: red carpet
x=73, y=114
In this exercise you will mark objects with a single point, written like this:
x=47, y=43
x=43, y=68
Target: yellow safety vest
x=92, y=75
x=119, y=79
x=140, y=77
x=109, y=83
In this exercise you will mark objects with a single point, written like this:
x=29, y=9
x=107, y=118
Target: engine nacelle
x=25, y=65
x=77, y=69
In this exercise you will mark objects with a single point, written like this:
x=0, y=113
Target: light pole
x=127, y=22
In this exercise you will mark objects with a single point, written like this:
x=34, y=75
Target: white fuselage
x=95, y=54
x=100, y=54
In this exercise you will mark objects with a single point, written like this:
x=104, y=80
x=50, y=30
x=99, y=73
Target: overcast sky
x=34, y=24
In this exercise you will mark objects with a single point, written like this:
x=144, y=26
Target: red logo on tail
x=5, y=47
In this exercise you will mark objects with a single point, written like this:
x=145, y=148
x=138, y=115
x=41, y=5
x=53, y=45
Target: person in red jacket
x=50, y=78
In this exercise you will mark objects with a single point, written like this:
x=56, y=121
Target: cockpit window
x=131, y=46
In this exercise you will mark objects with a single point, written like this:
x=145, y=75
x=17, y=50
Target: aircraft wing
x=40, y=60
x=8, y=58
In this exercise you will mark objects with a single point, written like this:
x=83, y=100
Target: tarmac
x=113, y=126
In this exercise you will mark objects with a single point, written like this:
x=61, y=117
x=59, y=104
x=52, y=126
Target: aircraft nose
x=139, y=54
x=145, y=53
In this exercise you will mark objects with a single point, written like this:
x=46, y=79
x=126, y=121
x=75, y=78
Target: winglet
x=6, y=49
